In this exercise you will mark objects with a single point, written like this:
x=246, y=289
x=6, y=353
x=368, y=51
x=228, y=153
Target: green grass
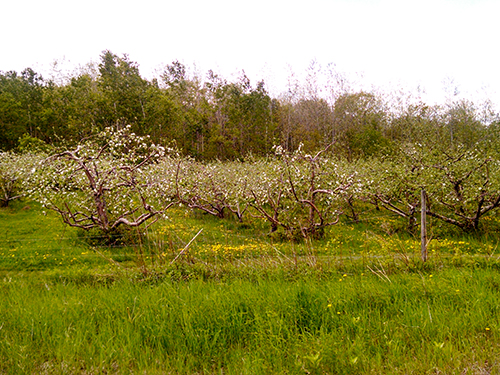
x=359, y=301
x=361, y=324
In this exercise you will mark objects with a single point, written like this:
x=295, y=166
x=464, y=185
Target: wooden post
x=423, y=225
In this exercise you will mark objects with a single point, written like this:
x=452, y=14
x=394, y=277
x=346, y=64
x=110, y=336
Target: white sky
x=391, y=42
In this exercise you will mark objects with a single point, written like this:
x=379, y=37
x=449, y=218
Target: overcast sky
x=432, y=43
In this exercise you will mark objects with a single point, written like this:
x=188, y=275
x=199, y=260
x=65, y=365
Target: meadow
x=239, y=301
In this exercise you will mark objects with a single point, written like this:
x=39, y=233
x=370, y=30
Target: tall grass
x=238, y=302
x=448, y=321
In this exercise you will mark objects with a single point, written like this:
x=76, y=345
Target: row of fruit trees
x=118, y=179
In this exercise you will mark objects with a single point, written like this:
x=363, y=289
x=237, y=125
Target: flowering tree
x=214, y=188
x=14, y=170
x=267, y=190
x=462, y=185
x=303, y=193
x=465, y=186
x=394, y=185
x=103, y=183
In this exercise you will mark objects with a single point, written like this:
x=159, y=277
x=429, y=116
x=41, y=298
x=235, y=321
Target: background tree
x=312, y=124
x=462, y=124
x=416, y=123
x=21, y=107
x=189, y=127
x=124, y=90
x=240, y=122
x=79, y=108
x=360, y=121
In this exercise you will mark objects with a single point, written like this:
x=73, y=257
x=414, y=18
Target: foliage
x=22, y=107
x=240, y=121
x=29, y=144
x=211, y=118
x=359, y=122
x=124, y=90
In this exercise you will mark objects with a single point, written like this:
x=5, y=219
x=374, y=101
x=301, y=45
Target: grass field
x=238, y=301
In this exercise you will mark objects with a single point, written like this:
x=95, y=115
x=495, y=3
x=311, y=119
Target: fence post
x=423, y=225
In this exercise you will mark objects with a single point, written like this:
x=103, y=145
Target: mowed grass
x=239, y=302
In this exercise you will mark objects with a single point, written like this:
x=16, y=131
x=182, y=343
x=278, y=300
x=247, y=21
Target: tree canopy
x=210, y=117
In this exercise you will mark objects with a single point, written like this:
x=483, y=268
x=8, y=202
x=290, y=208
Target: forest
x=209, y=117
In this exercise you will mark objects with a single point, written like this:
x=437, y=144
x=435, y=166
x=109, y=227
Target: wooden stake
x=187, y=246
x=423, y=225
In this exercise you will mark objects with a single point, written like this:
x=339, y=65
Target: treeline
x=213, y=118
